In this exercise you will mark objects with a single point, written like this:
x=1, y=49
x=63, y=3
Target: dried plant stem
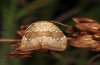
x=92, y=59
x=15, y=40
x=10, y=40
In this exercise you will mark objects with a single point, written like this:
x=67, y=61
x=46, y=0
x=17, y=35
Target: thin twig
x=10, y=40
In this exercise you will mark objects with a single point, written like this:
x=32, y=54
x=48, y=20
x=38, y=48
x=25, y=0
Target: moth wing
x=55, y=44
x=27, y=44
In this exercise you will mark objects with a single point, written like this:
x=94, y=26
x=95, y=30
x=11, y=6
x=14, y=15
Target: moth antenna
x=61, y=24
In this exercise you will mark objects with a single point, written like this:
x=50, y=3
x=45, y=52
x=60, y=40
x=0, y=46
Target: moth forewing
x=43, y=35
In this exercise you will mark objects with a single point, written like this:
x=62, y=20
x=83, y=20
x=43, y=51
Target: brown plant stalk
x=9, y=40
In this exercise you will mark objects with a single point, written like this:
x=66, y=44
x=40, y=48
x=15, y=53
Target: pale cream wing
x=43, y=35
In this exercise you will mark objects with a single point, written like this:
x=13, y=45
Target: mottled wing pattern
x=43, y=35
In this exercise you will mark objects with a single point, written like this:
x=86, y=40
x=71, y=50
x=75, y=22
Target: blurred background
x=14, y=13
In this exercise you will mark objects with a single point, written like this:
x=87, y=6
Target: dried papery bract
x=83, y=20
x=40, y=36
x=82, y=41
x=85, y=33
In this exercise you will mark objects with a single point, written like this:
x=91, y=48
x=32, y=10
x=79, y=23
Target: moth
x=40, y=36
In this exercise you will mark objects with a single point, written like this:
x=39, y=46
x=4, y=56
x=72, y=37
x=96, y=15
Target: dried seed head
x=83, y=20
x=82, y=41
x=43, y=35
x=85, y=33
x=88, y=27
x=84, y=25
